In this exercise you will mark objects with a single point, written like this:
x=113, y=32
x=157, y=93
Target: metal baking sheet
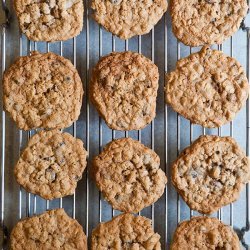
x=168, y=134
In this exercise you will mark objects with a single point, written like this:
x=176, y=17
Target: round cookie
x=51, y=230
x=211, y=173
x=129, y=175
x=124, y=89
x=204, y=233
x=42, y=91
x=206, y=22
x=50, y=20
x=207, y=87
x=127, y=18
x=51, y=164
x=125, y=231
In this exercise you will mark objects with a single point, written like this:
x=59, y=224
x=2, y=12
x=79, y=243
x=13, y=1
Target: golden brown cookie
x=51, y=230
x=42, y=91
x=204, y=233
x=129, y=175
x=49, y=20
x=211, y=173
x=51, y=164
x=207, y=87
x=206, y=22
x=125, y=231
x=127, y=18
x=124, y=89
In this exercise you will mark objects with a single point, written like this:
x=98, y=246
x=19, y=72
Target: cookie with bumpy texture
x=211, y=173
x=206, y=22
x=207, y=87
x=51, y=164
x=49, y=20
x=124, y=90
x=42, y=91
x=127, y=18
x=125, y=231
x=204, y=233
x=51, y=230
x=129, y=175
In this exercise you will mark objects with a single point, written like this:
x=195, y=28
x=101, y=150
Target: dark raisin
x=67, y=78
x=16, y=81
x=51, y=174
x=77, y=178
x=194, y=174
x=26, y=25
x=61, y=144
x=117, y=197
x=115, y=1
x=210, y=1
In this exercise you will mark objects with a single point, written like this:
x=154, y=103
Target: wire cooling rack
x=168, y=134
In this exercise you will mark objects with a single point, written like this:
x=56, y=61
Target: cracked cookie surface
x=206, y=22
x=207, y=87
x=124, y=89
x=129, y=175
x=51, y=164
x=125, y=231
x=211, y=173
x=42, y=91
x=204, y=233
x=127, y=18
x=51, y=230
x=49, y=20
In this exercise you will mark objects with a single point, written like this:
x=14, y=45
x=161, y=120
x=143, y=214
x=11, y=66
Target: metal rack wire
x=88, y=206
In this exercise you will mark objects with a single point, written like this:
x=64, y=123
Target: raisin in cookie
x=51, y=230
x=51, y=164
x=129, y=175
x=205, y=22
x=204, y=233
x=125, y=231
x=211, y=173
x=207, y=87
x=124, y=89
x=49, y=20
x=127, y=18
x=42, y=91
